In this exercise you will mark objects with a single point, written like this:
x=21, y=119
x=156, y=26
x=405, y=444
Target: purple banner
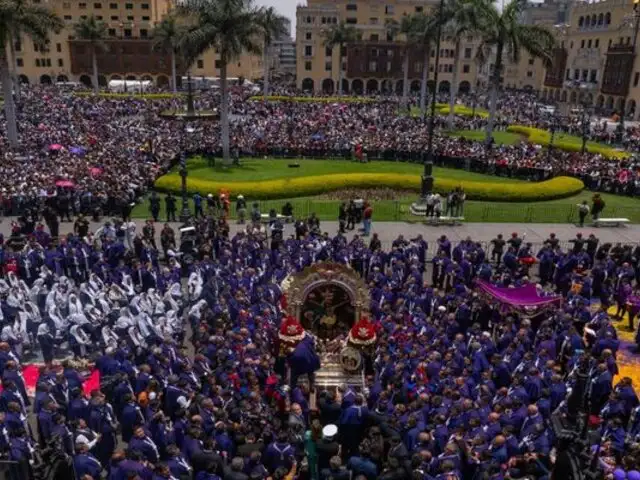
x=526, y=297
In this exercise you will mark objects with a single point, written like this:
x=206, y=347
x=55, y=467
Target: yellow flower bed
x=284, y=98
x=461, y=110
x=307, y=186
x=565, y=142
x=145, y=96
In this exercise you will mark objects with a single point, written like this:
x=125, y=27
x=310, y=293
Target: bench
x=444, y=220
x=610, y=222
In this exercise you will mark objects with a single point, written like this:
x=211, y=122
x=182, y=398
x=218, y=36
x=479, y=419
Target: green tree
x=94, y=32
x=166, y=38
x=231, y=27
x=273, y=26
x=459, y=20
x=503, y=32
x=339, y=35
x=34, y=21
x=425, y=29
x=407, y=28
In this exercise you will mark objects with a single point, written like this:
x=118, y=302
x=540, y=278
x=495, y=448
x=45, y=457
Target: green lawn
x=252, y=169
x=500, y=138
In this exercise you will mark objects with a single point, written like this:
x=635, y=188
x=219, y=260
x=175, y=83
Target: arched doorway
x=85, y=80
x=399, y=87
x=415, y=86
x=619, y=104
x=308, y=85
x=544, y=94
x=23, y=79
x=62, y=78
x=116, y=77
x=631, y=108
x=147, y=78
x=357, y=86
x=430, y=86
x=102, y=80
x=464, y=87
x=564, y=96
x=573, y=98
x=372, y=85
x=387, y=86
x=600, y=102
x=45, y=80
x=610, y=103
x=162, y=81
x=589, y=98
x=444, y=87
x=345, y=86
x=327, y=86
x=132, y=78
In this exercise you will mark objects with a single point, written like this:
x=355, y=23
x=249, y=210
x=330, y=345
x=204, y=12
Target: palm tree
x=460, y=19
x=34, y=21
x=273, y=26
x=406, y=27
x=424, y=31
x=166, y=38
x=339, y=35
x=231, y=27
x=93, y=31
x=503, y=31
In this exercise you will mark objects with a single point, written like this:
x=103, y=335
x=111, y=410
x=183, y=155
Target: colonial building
x=375, y=62
x=595, y=62
x=129, y=52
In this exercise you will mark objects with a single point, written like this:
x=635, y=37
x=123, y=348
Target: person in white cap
x=327, y=447
x=241, y=208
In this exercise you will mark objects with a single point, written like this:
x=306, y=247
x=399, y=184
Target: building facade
x=129, y=52
x=595, y=62
x=374, y=63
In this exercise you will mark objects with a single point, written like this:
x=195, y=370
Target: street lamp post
x=185, y=213
x=636, y=26
x=427, y=177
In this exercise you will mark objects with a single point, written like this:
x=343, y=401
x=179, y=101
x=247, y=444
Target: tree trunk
x=453, y=91
x=265, y=66
x=405, y=80
x=423, y=87
x=493, y=95
x=14, y=72
x=9, y=106
x=339, y=70
x=224, y=112
x=174, y=82
x=94, y=61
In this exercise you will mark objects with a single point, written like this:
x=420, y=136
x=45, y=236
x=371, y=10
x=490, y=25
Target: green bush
x=308, y=186
x=284, y=98
x=146, y=96
x=567, y=143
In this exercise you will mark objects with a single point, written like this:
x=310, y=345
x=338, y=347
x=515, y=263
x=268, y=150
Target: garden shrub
x=284, y=98
x=558, y=187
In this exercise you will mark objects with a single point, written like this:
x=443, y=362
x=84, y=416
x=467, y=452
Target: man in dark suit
x=327, y=447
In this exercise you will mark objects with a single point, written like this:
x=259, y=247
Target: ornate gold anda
x=325, y=274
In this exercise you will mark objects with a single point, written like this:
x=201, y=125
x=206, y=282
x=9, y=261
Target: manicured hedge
x=462, y=110
x=565, y=142
x=146, y=96
x=307, y=186
x=284, y=98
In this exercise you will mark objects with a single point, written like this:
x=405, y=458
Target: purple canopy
x=526, y=298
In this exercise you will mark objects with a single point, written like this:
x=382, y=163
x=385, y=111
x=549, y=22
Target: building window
x=48, y=62
x=114, y=17
x=112, y=32
x=388, y=9
x=308, y=51
x=218, y=64
x=344, y=66
x=307, y=36
x=83, y=17
x=352, y=21
x=466, y=68
x=82, y=6
x=144, y=33
x=127, y=33
x=417, y=66
x=19, y=62
x=145, y=18
x=419, y=9
x=636, y=78
x=130, y=18
x=66, y=5
x=352, y=7
x=529, y=74
x=593, y=76
x=467, y=53
x=144, y=6
x=328, y=51
x=373, y=20
x=307, y=66
x=60, y=63
x=374, y=52
x=576, y=74
x=99, y=17
x=373, y=66
x=97, y=6
x=17, y=46
x=37, y=62
x=610, y=41
x=374, y=37
x=327, y=66
x=36, y=47
x=200, y=64
x=589, y=44
x=531, y=60
x=568, y=75
x=597, y=43
x=58, y=47
x=582, y=44
x=113, y=6
x=585, y=75
x=128, y=6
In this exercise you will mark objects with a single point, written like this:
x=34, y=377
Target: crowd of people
x=87, y=153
